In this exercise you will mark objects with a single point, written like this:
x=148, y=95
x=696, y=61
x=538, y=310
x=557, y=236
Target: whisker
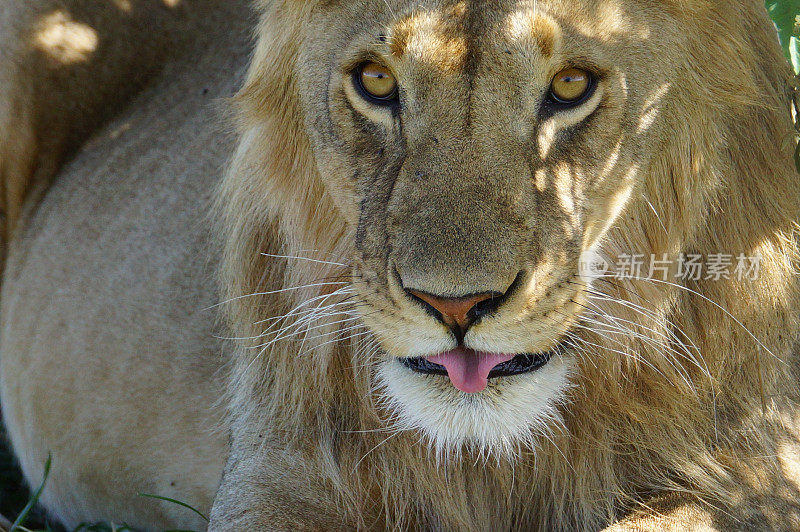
x=685, y=354
x=306, y=330
x=691, y=352
x=717, y=305
x=306, y=259
x=643, y=299
x=664, y=227
x=323, y=297
x=371, y=450
x=350, y=337
x=271, y=292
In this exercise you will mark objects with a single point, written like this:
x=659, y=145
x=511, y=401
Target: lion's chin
x=509, y=413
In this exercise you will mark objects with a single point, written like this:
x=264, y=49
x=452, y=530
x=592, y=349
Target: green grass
x=16, y=502
x=784, y=13
x=14, y=495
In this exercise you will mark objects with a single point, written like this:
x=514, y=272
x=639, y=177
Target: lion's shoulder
x=68, y=67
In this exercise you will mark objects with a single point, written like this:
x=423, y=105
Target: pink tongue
x=469, y=370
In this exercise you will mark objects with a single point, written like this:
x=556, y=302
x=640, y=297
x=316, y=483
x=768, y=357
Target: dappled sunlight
x=375, y=246
x=652, y=108
x=609, y=210
x=611, y=162
x=789, y=456
x=623, y=85
x=531, y=26
x=101, y=139
x=564, y=178
x=519, y=24
x=549, y=130
x=432, y=38
x=547, y=135
x=609, y=22
x=65, y=40
x=124, y=5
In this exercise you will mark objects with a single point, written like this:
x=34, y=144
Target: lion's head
x=438, y=170
x=478, y=150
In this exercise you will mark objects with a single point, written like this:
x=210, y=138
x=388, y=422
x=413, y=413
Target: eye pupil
x=570, y=85
x=377, y=82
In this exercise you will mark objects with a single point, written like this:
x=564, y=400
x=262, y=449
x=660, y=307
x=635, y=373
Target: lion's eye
x=377, y=82
x=571, y=86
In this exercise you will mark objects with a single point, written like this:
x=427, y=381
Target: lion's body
x=78, y=392
x=108, y=358
x=116, y=264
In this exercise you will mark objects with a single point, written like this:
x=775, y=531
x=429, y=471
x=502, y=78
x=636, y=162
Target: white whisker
x=306, y=259
x=272, y=292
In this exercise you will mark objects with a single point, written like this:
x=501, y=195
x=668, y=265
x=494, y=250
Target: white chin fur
x=510, y=413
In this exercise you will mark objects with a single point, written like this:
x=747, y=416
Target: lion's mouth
x=470, y=371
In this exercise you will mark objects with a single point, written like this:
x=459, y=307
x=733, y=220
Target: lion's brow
x=535, y=27
x=437, y=37
x=444, y=38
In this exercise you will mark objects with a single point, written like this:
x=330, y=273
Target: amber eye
x=571, y=85
x=377, y=83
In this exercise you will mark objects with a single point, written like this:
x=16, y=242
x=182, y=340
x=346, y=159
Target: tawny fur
x=65, y=68
x=690, y=421
x=633, y=426
x=108, y=358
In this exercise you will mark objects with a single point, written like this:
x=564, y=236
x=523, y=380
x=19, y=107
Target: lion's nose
x=459, y=313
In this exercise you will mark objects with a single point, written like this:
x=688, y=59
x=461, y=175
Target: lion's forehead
x=453, y=35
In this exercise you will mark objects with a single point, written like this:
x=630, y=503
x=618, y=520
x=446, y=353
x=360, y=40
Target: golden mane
x=632, y=425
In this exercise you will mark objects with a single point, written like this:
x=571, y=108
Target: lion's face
x=477, y=149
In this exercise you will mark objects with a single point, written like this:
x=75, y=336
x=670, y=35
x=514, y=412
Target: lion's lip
x=470, y=371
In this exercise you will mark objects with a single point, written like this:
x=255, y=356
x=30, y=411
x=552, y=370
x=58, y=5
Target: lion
x=435, y=267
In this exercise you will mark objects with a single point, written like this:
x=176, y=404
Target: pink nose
x=454, y=311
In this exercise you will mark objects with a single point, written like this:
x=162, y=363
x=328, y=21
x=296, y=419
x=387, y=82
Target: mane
x=700, y=364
